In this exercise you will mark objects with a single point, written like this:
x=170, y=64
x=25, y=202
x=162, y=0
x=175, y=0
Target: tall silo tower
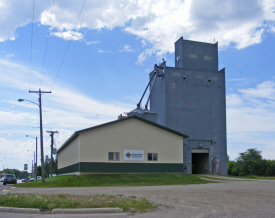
x=190, y=98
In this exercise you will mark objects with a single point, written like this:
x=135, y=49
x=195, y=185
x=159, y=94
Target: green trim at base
x=69, y=169
x=87, y=167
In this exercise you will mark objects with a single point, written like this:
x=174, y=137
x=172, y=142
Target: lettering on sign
x=133, y=155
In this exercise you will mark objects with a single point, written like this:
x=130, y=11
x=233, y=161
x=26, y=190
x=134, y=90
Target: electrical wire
x=31, y=44
x=46, y=45
x=68, y=45
x=12, y=109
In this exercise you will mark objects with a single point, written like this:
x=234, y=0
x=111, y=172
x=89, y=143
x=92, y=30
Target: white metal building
x=131, y=144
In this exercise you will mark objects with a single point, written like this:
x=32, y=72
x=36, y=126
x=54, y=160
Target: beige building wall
x=131, y=134
x=70, y=154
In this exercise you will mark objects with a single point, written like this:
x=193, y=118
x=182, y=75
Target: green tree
x=47, y=167
x=12, y=171
x=270, y=169
x=24, y=175
x=231, y=168
x=250, y=162
x=38, y=170
x=47, y=163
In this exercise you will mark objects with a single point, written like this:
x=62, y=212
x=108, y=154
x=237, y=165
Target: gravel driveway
x=224, y=199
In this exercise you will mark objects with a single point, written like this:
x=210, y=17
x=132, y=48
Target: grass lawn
x=48, y=202
x=94, y=180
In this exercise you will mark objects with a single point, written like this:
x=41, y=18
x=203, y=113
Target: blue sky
x=111, y=48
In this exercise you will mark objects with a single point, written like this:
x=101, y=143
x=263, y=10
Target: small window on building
x=175, y=74
x=207, y=58
x=113, y=155
x=153, y=156
x=178, y=57
x=192, y=56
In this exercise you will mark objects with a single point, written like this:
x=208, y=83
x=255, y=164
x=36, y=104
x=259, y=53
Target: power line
x=68, y=44
x=46, y=45
x=31, y=43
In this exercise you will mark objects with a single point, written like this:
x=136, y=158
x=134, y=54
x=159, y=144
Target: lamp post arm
x=28, y=101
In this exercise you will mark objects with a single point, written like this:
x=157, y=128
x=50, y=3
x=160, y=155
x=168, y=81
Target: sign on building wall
x=133, y=154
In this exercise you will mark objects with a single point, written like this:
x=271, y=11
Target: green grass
x=48, y=202
x=95, y=180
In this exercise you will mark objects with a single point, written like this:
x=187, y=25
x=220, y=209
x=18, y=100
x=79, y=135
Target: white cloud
x=263, y=90
x=158, y=23
x=65, y=99
x=251, y=118
x=269, y=151
x=252, y=109
x=102, y=51
x=144, y=55
x=233, y=100
x=9, y=55
x=14, y=14
x=143, y=43
x=127, y=48
x=68, y=35
x=92, y=42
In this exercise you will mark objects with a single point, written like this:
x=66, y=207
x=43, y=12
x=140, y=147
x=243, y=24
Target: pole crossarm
x=40, y=91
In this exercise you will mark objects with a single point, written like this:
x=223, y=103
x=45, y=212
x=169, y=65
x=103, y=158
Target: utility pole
x=41, y=132
x=32, y=168
x=33, y=164
x=36, y=159
x=52, y=135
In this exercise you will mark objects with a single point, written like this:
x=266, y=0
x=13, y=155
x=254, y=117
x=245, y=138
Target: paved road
x=2, y=187
x=7, y=186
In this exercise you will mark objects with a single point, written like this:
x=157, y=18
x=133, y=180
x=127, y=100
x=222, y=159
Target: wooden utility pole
x=52, y=135
x=41, y=133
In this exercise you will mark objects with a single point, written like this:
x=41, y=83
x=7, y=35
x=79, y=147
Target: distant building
x=190, y=99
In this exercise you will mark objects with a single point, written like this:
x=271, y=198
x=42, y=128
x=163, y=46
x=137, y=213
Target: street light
x=20, y=99
x=41, y=135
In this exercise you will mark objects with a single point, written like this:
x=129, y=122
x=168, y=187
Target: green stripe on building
x=86, y=167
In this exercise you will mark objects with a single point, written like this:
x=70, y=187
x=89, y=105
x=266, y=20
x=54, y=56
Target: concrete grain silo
x=190, y=98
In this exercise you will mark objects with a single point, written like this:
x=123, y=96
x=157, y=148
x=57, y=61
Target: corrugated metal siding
x=69, y=169
x=130, y=168
x=70, y=154
x=130, y=134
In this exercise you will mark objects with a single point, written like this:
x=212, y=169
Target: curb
x=88, y=210
x=5, y=209
x=62, y=211
x=25, y=210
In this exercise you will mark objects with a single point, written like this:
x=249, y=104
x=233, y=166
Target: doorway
x=200, y=163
